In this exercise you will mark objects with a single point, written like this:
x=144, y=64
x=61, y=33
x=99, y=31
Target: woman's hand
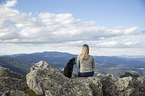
x=93, y=66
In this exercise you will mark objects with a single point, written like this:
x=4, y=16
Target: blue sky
x=106, y=13
x=109, y=27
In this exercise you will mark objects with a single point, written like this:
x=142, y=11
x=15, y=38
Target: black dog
x=68, y=70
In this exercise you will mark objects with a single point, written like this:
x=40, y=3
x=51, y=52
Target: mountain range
x=115, y=65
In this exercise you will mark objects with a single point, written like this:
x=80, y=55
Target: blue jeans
x=85, y=74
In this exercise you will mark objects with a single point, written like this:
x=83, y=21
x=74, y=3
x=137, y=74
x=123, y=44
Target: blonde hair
x=85, y=52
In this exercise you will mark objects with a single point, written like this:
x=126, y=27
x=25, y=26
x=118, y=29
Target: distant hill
x=132, y=56
x=21, y=63
x=51, y=57
x=132, y=65
x=135, y=62
x=14, y=65
x=63, y=57
x=104, y=64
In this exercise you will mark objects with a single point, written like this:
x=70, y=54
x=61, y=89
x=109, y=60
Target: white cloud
x=9, y=3
x=130, y=43
x=131, y=30
x=62, y=29
x=7, y=33
x=108, y=44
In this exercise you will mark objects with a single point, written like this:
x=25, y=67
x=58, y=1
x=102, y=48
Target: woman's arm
x=78, y=62
x=93, y=63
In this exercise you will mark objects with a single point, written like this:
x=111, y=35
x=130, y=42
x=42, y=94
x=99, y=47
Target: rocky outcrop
x=126, y=86
x=44, y=79
x=10, y=81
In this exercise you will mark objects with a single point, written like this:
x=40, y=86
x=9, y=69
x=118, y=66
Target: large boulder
x=45, y=79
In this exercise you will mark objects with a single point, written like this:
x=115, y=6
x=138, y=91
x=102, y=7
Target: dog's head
x=73, y=61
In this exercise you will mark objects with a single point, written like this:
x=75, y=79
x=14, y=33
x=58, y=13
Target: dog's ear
x=74, y=58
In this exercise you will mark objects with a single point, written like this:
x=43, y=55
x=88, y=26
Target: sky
x=109, y=27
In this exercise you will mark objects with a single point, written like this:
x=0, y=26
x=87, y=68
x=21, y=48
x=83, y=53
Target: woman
x=85, y=62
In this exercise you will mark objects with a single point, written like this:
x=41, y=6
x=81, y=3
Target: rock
x=123, y=83
x=17, y=93
x=93, y=83
x=123, y=86
x=44, y=79
x=5, y=72
x=10, y=80
x=108, y=87
x=14, y=93
x=4, y=93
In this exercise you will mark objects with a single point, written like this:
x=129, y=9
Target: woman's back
x=86, y=65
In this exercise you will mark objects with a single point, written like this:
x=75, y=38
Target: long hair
x=85, y=52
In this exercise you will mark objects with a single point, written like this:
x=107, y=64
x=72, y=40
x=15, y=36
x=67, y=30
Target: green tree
x=127, y=74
